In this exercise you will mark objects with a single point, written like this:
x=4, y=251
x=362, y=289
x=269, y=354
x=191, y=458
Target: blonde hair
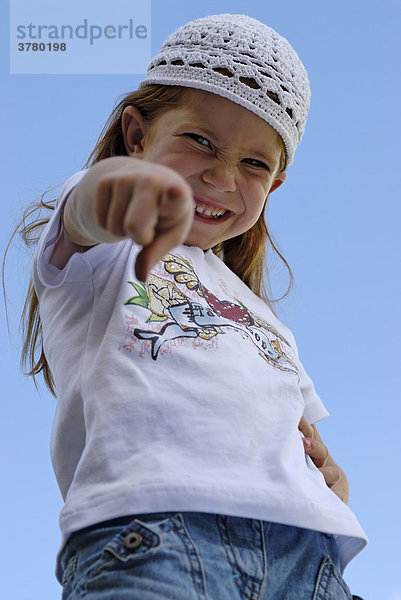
x=245, y=254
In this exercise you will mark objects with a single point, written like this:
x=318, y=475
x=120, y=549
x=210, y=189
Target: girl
x=182, y=440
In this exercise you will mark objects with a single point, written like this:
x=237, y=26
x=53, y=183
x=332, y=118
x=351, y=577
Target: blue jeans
x=199, y=556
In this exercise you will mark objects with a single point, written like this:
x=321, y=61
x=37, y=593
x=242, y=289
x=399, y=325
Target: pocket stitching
x=247, y=584
x=70, y=569
x=341, y=582
x=328, y=564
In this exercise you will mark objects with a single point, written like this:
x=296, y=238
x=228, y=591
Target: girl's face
x=228, y=155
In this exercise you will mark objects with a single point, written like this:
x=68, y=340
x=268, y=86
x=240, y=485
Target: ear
x=133, y=127
x=280, y=178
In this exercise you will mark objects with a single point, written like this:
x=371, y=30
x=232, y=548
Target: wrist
x=81, y=225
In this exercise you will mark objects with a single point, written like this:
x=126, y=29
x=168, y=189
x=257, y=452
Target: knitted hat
x=242, y=59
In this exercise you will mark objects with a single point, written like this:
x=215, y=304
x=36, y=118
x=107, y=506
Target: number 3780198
x=42, y=47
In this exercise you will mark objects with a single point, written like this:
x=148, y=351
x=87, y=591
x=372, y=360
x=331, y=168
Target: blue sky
x=337, y=221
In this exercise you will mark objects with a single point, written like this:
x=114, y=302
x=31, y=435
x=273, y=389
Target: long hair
x=245, y=254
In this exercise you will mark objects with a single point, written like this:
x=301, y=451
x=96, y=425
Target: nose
x=221, y=176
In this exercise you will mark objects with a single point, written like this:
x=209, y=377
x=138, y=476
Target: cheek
x=180, y=162
x=254, y=198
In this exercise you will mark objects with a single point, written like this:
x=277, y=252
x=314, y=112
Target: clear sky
x=337, y=219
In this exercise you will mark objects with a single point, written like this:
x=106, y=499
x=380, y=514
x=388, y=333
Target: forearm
x=124, y=197
x=80, y=212
x=81, y=227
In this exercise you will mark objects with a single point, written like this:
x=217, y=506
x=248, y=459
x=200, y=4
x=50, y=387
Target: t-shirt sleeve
x=314, y=410
x=49, y=275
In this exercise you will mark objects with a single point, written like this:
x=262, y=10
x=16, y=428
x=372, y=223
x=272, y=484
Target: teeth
x=207, y=211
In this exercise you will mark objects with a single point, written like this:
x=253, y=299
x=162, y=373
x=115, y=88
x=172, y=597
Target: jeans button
x=132, y=541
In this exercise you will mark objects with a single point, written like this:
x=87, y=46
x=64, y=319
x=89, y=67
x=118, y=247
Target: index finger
x=317, y=452
x=166, y=239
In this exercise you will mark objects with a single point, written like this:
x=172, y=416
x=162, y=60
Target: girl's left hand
x=334, y=476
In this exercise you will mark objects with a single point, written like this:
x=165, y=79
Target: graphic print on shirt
x=184, y=317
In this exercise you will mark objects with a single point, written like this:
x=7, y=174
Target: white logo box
x=80, y=37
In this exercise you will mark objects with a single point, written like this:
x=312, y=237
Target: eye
x=200, y=139
x=257, y=163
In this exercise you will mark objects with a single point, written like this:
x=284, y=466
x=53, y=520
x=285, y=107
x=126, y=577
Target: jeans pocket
x=330, y=585
x=107, y=550
x=135, y=542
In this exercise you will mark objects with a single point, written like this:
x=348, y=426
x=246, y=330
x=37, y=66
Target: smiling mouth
x=210, y=213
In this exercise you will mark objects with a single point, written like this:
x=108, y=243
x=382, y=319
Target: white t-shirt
x=181, y=394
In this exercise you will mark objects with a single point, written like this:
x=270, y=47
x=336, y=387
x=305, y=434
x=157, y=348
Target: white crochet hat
x=242, y=59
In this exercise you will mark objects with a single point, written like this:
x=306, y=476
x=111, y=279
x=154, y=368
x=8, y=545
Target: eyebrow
x=268, y=157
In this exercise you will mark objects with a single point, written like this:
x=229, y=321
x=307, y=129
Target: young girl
x=182, y=440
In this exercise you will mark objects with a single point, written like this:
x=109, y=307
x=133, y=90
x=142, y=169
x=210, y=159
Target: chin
x=199, y=239
x=193, y=241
